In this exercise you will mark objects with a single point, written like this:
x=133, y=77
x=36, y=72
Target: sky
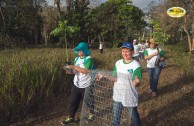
x=142, y=4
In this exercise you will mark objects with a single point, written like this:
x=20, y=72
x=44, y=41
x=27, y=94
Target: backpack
x=85, y=58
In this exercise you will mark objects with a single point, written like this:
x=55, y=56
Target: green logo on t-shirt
x=130, y=70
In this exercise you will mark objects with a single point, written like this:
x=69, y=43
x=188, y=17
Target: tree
x=49, y=18
x=76, y=14
x=20, y=26
x=114, y=20
x=158, y=32
x=62, y=31
x=173, y=26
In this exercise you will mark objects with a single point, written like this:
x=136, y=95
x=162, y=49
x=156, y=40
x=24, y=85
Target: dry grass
x=34, y=78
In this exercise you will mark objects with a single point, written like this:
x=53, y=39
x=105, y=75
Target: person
x=154, y=71
x=101, y=47
x=82, y=79
x=146, y=44
x=142, y=49
x=136, y=54
x=127, y=74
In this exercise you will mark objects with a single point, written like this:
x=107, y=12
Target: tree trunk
x=46, y=39
x=189, y=37
x=67, y=57
x=88, y=39
x=35, y=36
x=192, y=43
x=143, y=36
x=185, y=28
x=102, y=39
x=2, y=16
x=181, y=38
x=57, y=2
x=99, y=38
x=45, y=35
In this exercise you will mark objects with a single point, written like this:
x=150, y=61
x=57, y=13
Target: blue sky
x=139, y=3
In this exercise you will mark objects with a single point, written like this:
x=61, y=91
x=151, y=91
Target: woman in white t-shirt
x=151, y=54
x=127, y=74
x=82, y=79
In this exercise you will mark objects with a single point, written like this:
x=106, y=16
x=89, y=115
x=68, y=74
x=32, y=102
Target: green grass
x=28, y=79
x=31, y=79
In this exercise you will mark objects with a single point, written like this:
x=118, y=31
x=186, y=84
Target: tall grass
x=31, y=79
x=177, y=55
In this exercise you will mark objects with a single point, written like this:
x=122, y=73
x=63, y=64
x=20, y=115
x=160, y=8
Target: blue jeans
x=154, y=74
x=117, y=111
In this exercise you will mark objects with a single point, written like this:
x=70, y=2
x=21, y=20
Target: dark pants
x=154, y=74
x=101, y=50
x=77, y=94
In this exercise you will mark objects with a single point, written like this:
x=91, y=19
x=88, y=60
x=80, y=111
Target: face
x=152, y=45
x=80, y=53
x=127, y=53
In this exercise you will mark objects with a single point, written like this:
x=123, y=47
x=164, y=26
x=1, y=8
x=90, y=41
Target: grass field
x=33, y=83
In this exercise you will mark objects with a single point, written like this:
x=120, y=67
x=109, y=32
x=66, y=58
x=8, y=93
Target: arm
x=88, y=65
x=109, y=77
x=137, y=76
x=79, y=69
x=147, y=57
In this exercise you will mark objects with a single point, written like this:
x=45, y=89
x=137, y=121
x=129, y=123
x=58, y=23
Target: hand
x=155, y=54
x=136, y=81
x=162, y=58
x=99, y=76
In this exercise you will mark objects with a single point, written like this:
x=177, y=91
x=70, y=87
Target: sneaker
x=150, y=91
x=68, y=120
x=90, y=117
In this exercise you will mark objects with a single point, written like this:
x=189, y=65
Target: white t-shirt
x=82, y=80
x=101, y=46
x=151, y=62
x=123, y=90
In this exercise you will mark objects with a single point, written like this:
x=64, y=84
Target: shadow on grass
x=181, y=82
x=165, y=113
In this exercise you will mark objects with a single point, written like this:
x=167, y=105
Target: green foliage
x=19, y=24
x=159, y=33
x=115, y=20
x=63, y=28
